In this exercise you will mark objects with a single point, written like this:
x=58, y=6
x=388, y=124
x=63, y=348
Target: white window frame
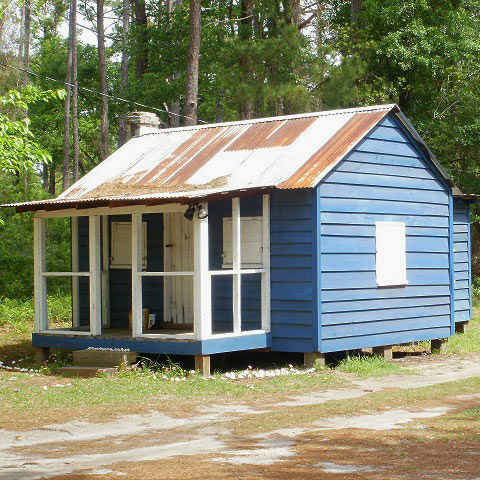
x=390, y=254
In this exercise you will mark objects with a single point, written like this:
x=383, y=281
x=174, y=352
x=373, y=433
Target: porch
x=178, y=279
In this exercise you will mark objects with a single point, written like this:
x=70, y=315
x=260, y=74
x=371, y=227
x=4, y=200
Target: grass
x=468, y=342
x=21, y=394
x=17, y=317
x=370, y=366
x=306, y=415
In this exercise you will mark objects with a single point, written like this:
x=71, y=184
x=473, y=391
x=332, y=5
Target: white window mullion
x=41, y=316
x=202, y=295
x=237, y=264
x=266, y=263
x=75, y=279
x=137, y=242
x=95, y=275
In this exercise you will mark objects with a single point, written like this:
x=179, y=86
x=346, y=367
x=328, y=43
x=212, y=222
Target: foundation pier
x=314, y=360
x=41, y=354
x=202, y=365
x=438, y=345
x=385, y=351
x=461, y=327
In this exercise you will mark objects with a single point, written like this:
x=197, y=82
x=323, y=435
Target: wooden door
x=178, y=248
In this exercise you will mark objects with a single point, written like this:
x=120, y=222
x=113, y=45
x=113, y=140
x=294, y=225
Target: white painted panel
x=137, y=307
x=391, y=264
x=178, y=291
x=95, y=267
x=202, y=281
x=251, y=242
x=121, y=245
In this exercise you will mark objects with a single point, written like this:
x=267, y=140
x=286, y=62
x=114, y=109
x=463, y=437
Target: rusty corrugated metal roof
x=181, y=164
x=336, y=148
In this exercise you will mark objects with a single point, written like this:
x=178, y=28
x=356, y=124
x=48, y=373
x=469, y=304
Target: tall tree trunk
x=191, y=93
x=45, y=177
x=245, y=32
x=122, y=127
x=174, y=117
x=20, y=47
x=26, y=40
x=66, y=121
x=51, y=186
x=141, y=63
x=74, y=94
x=355, y=10
x=102, y=68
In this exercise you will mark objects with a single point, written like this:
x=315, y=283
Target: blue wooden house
x=309, y=233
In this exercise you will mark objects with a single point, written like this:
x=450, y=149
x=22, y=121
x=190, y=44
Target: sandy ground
x=391, y=444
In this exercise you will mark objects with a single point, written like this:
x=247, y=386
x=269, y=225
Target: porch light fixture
x=190, y=212
x=202, y=213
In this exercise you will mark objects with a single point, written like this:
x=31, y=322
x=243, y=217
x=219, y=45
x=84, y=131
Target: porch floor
x=121, y=333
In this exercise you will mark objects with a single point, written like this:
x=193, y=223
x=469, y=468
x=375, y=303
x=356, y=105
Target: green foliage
x=18, y=151
x=18, y=315
x=16, y=238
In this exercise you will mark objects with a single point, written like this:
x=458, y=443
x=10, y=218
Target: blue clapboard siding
x=462, y=265
x=222, y=288
x=121, y=279
x=292, y=256
x=384, y=178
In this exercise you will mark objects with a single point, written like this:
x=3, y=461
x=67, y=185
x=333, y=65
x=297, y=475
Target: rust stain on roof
x=168, y=166
x=224, y=137
x=333, y=150
x=272, y=134
x=254, y=136
x=288, y=132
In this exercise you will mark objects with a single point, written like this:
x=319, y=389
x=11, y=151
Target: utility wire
x=114, y=97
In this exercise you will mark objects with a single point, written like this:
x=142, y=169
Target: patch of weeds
x=56, y=360
x=468, y=342
x=147, y=368
x=370, y=366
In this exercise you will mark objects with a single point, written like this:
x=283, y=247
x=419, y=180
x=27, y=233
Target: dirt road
x=379, y=439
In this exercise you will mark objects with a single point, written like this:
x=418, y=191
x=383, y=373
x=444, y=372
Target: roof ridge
x=294, y=116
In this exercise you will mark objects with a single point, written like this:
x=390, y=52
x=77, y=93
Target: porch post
x=40, y=282
x=137, y=242
x=75, y=267
x=202, y=288
x=266, y=263
x=237, y=265
x=105, y=273
x=95, y=275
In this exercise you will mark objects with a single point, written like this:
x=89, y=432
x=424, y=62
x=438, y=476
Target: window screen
x=251, y=233
x=391, y=264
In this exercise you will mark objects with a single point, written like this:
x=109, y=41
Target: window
x=391, y=264
x=121, y=245
x=251, y=232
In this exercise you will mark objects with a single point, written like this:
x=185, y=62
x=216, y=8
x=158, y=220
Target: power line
x=114, y=97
